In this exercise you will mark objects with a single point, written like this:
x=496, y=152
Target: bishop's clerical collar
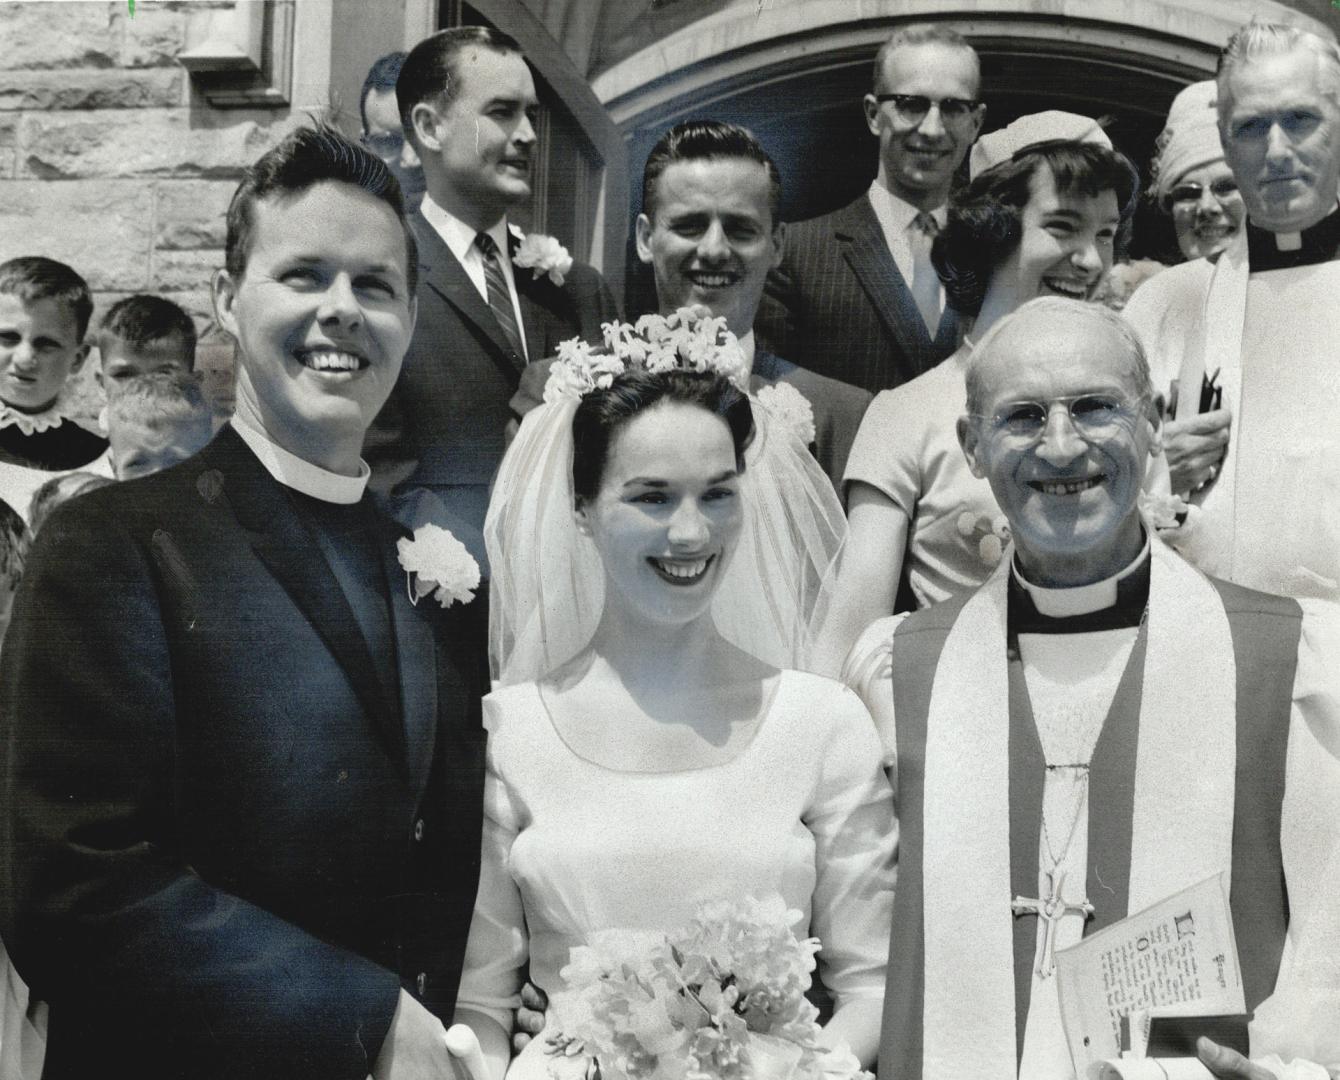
x=1278, y=251
x=1115, y=602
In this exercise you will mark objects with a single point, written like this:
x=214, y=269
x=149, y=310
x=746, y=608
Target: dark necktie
x=500, y=298
x=925, y=281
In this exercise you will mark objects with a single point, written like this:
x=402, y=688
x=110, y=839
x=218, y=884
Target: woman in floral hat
x=657, y=540
x=1042, y=216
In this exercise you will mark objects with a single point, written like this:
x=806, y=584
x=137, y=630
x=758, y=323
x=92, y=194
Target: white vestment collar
x=1181, y=829
x=1078, y=599
x=298, y=473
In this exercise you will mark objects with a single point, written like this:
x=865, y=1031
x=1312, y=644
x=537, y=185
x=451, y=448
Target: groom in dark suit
x=242, y=771
x=855, y=295
x=467, y=100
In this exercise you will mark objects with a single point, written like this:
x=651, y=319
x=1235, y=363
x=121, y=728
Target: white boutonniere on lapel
x=541, y=255
x=436, y=562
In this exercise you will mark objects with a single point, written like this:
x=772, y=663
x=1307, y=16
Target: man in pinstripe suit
x=855, y=296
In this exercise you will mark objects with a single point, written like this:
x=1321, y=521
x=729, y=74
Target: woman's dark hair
x=603, y=412
x=984, y=218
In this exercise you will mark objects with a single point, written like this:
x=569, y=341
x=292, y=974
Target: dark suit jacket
x=838, y=408
x=226, y=843
x=442, y=427
x=838, y=305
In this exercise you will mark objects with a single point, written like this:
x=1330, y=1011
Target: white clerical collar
x=456, y=234
x=1078, y=599
x=896, y=214
x=301, y=475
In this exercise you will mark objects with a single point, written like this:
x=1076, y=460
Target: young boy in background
x=44, y=311
x=156, y=420
x=143, y=334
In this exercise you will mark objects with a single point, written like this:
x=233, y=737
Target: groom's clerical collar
x=1278, y=251
x=300, y=475
x=1111, y=604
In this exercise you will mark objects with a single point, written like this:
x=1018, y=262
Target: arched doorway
x=794, y=71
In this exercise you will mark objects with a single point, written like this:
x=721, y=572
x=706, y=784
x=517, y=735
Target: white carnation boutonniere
x=1164, y=512
x=436, y=562
x=541, y=255
x=790, y=408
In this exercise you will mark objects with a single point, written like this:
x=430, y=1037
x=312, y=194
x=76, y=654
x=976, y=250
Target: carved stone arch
x=794, y=71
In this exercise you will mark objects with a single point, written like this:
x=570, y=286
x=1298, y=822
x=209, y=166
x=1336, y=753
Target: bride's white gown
x=571, y=846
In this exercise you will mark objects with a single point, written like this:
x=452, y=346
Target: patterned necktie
x=500, y=298
x=925, y=281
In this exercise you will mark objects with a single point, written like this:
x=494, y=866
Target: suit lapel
x=867, y=252
x=442, y=272
x=416, y=656
x=292, y=554
x=533, y=313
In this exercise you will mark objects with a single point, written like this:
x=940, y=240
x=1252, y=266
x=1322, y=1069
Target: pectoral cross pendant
x=1052, y=909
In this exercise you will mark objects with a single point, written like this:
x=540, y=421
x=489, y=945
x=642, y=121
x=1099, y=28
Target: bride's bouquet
x=721, y=999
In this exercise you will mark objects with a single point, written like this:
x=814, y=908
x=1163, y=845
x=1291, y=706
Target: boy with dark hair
x=141, y=334
x=44, y=312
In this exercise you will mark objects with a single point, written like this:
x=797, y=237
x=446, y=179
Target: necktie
x=500, y=299
x=925, y=281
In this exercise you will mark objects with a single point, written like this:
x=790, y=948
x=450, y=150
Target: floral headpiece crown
x=690, y=339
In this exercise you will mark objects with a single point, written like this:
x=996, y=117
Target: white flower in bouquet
x=542, y=255
x=790, y=408
x=436, y=562
x=721, y=999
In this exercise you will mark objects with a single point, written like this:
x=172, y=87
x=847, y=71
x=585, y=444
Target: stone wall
x=109, y=159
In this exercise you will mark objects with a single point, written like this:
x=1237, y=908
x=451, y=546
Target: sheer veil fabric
x=547, y=590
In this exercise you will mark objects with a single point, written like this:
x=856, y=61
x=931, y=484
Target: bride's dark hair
x=602, y=412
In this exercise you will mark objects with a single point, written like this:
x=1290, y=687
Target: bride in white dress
x=650, y=744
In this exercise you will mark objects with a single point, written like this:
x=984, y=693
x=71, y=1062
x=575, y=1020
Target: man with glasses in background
x=382, y=133
x=1066, y=753
x=855, y=296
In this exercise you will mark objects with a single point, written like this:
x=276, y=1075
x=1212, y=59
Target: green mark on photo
x=131, y=5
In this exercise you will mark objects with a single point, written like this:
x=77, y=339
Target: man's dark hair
x=706, y=140
x=431, y=69
x=381, y=76
x=603, y=412
x=304, y=158
x=34, y=277
x=984, y=225
x=141, y=319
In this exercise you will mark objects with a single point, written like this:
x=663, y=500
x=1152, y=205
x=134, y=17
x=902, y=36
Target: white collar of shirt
x=457, y=235
x=300, y=475
x=1080, y=599
x=895, y=214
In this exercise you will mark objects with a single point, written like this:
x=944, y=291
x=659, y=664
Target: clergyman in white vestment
x=1261, y=323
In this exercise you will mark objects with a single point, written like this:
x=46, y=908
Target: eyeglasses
x=385, y=144
x=912, y=108
x=1094, y=416
x=1191, y=192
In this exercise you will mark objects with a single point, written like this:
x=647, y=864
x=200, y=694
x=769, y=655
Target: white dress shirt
x=460, y=240
x=299, y=474
x=895, y=219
